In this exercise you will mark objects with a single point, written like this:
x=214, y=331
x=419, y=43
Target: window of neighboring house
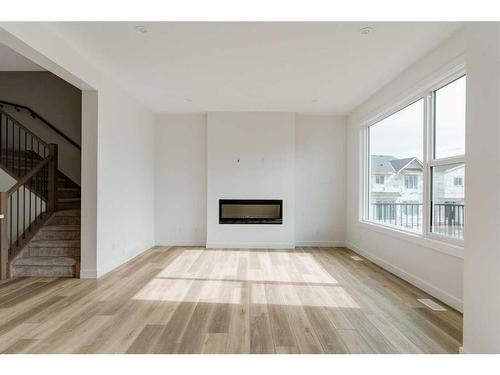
x=411, y=182
x=391, y=206
x=379, y=180
x=447, y=163
x=393, y=142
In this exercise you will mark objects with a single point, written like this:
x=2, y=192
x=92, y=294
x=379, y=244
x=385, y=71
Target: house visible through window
x=448, y=164
x=398, y=200
x=395, y=163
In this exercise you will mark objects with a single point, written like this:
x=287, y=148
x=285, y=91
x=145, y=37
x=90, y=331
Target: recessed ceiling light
x=141, y=28
x=365, y=30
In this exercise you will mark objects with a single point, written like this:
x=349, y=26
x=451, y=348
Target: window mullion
x=427, y=156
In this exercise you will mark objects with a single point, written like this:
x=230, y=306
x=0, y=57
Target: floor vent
x=355, y=257
x=431, y=304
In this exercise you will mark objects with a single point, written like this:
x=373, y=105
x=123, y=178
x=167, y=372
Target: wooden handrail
x=36, y=115
x=38, y=139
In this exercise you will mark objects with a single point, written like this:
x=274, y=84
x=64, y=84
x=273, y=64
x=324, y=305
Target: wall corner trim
x=88, y=274
x=180, y=243
x=251, y=245
x=320, y=243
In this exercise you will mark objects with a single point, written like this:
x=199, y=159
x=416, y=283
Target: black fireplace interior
x=250, y=211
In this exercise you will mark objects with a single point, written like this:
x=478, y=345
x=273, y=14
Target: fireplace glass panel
x=248, y=211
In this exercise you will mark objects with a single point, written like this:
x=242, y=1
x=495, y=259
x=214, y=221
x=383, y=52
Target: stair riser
x=64, y=184
x=54, y=251
x=68, y=206
x=43, y=271
x=64, y=220
x=68, y=194
x=57, y=235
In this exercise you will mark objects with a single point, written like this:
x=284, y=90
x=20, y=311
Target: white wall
x=251, y=156
x=320, y=180
x=181, y=180
x=125, y=162
x=118, y=173
x=482, y=193
x=436, y=272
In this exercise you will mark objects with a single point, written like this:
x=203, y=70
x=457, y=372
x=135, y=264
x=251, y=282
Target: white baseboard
x=88, y=274
x=179, y=243
x=412, y=279
x=251, y=245
x=319, y=243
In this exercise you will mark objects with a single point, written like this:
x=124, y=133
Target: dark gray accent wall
x=54, y=99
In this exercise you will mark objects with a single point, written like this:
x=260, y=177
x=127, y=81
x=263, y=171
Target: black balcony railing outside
x=447, y=218
x=407, y=215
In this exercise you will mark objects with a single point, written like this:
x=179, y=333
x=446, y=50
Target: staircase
x=54, y=251
x=49, y=245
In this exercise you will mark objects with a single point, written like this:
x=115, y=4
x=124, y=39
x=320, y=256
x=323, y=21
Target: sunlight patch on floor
x=247, y=266
x=181, y=290
x=230, y=292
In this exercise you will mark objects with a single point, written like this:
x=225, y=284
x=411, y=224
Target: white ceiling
x=297, y=67
x=13, y=61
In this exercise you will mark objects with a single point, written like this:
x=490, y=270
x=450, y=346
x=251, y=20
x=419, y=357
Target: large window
x=447, y=160
x=415, y=164
x=396, y=149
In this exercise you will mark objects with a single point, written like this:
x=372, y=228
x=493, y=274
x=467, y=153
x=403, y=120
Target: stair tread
x=54, y=243
x=61, y=227
x=73, y=212
x=69, y=199
x=45, y=261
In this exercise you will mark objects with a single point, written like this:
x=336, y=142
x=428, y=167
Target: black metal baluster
x=31, y=153
x=10, y=222
x=35, y=189
x=7, y=142
x=25, y=148
x=24, y=211
x=13, y=150
x=30, y=192
x=19, y=150
x=17, y=218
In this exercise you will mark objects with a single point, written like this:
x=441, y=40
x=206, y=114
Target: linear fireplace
x=250, y=211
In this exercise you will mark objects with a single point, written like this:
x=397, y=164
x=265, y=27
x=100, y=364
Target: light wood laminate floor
x=196, y=300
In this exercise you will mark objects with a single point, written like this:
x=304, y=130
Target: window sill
x=441, y=246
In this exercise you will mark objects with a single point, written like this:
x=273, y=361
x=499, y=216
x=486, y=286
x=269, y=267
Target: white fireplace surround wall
x=181, y=168
x=251, y=156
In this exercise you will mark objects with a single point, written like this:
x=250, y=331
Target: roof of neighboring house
x=389, y=164
x=382, y=164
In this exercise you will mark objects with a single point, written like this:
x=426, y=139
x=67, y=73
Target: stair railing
x=26, y=205
x=19, y=107
x=20, y=149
